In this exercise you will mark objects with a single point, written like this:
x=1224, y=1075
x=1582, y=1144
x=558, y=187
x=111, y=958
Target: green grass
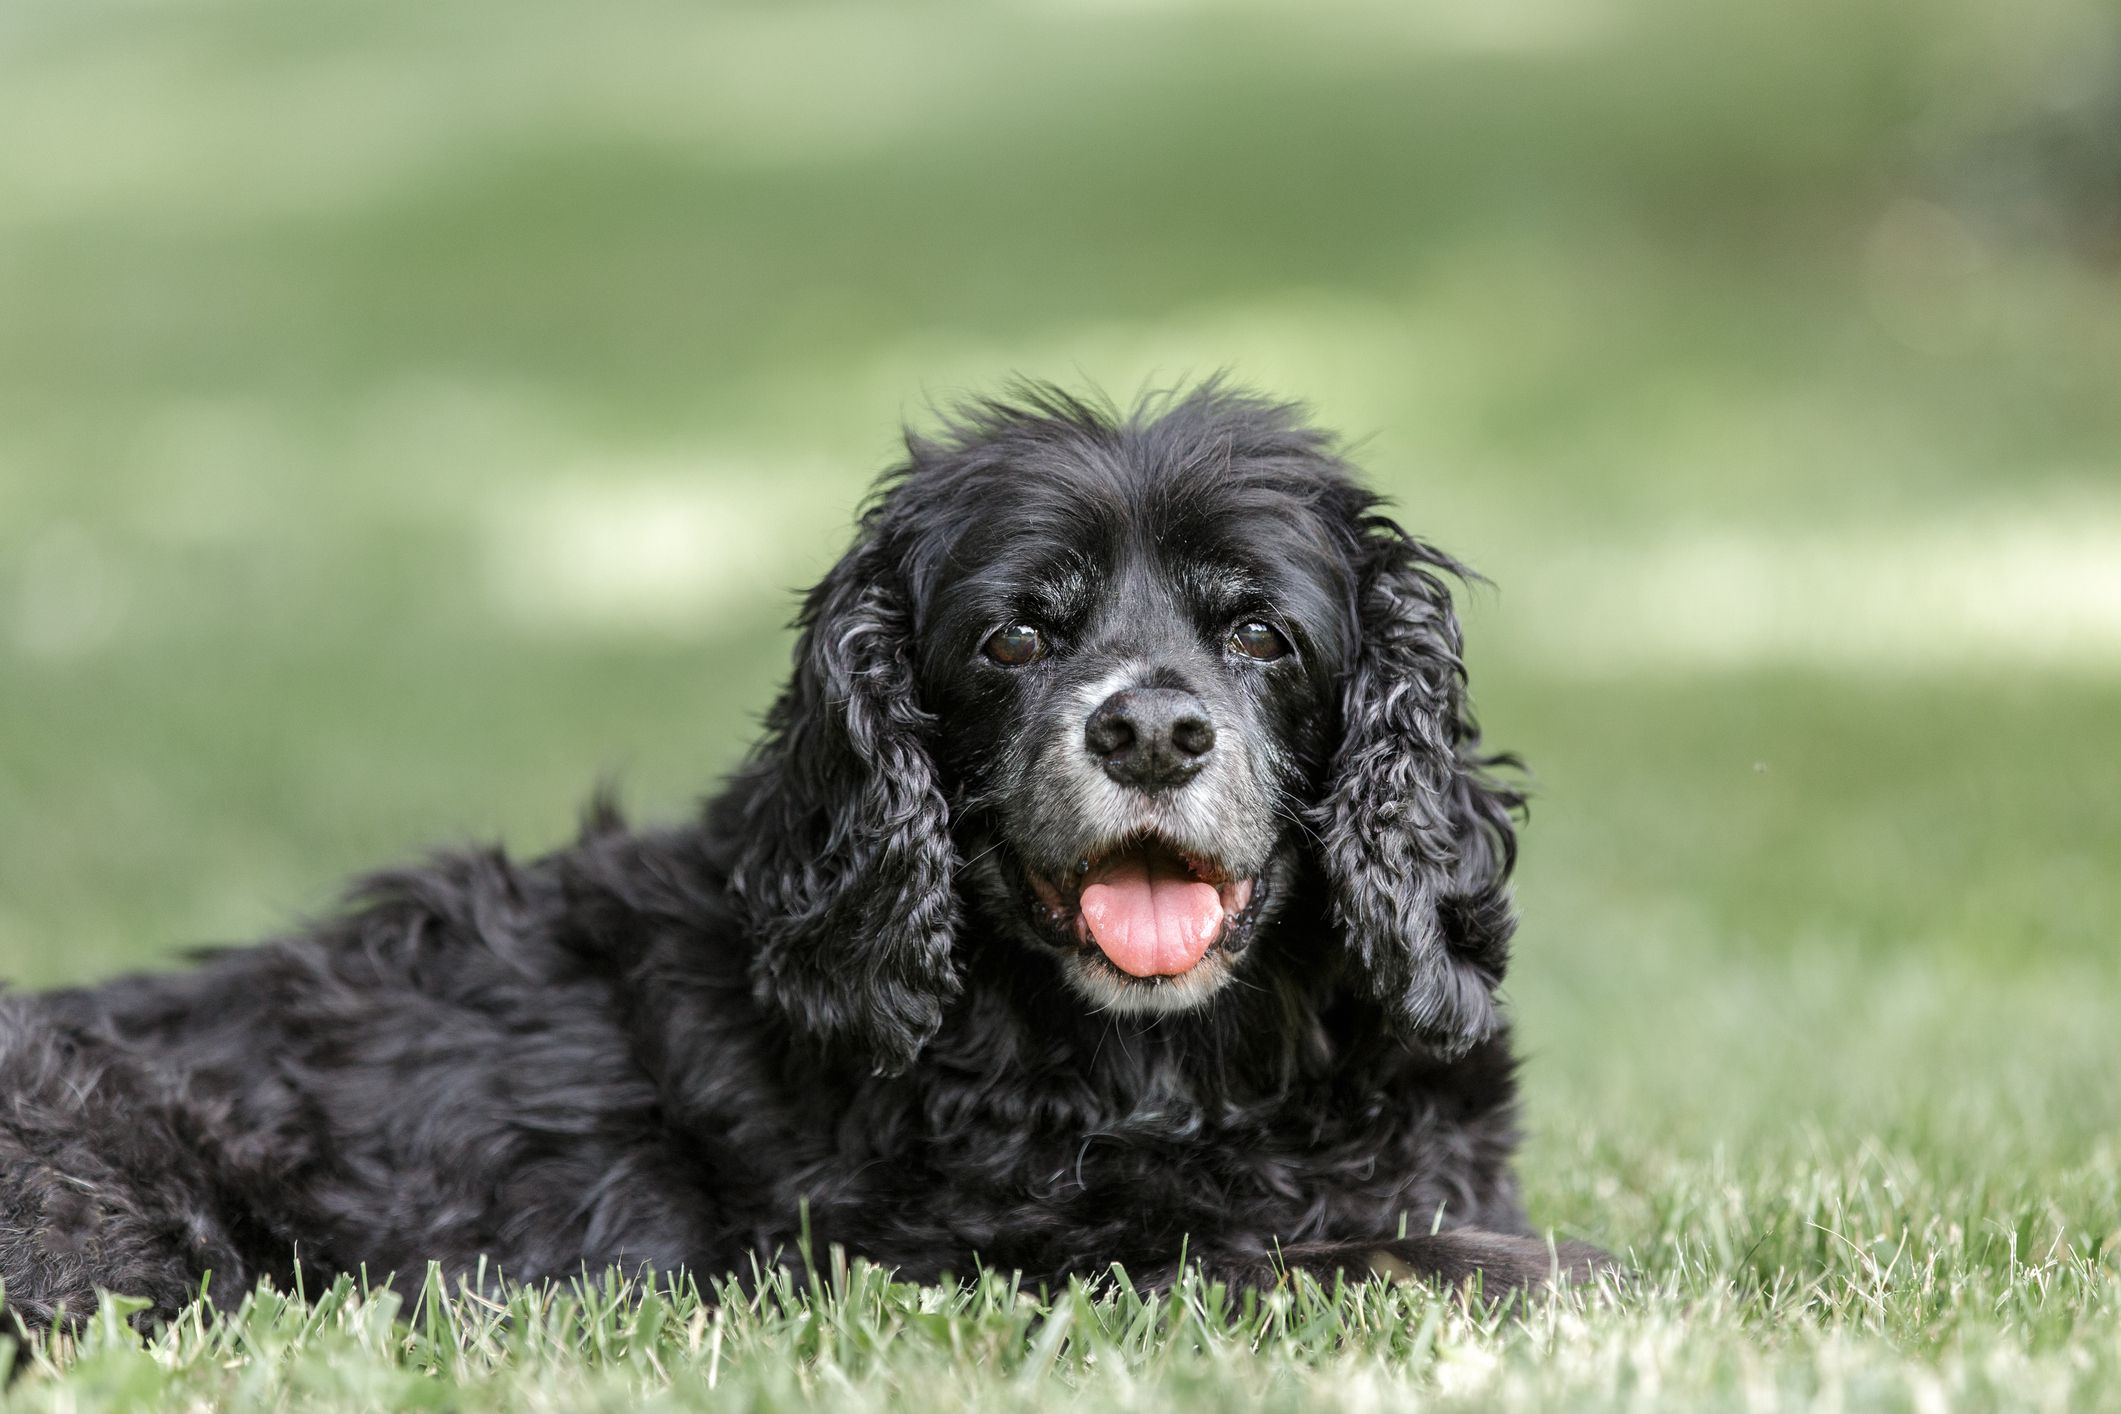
x=409, y=415
x=1957, y=1315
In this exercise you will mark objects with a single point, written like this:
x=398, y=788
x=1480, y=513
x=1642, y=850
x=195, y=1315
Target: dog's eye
x=1256, y=638
x=1016, y=645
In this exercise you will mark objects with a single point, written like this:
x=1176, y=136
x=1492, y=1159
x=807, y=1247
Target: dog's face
x=1102, y=689
x=1132, y=661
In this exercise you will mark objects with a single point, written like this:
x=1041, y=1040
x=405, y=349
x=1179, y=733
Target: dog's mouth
x=1149, y=909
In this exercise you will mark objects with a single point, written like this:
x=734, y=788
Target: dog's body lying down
x=1117, y=879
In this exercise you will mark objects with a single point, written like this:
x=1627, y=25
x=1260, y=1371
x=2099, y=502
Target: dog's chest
x=1168, y=1145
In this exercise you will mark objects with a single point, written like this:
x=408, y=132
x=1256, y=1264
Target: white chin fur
x=1147, y=997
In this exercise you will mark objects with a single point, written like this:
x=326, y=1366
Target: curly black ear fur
x=847, y=869
x=1418, y=842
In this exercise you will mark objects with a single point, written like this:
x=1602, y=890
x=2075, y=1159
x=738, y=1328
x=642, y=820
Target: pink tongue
x=1150, y=916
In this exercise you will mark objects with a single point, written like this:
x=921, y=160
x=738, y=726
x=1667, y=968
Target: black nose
x=1152, y=738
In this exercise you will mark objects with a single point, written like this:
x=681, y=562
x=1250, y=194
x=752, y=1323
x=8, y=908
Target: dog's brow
x=1063, y=588
x=1220, y=585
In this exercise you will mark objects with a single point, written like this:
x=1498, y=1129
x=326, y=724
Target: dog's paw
x=1493, y=1263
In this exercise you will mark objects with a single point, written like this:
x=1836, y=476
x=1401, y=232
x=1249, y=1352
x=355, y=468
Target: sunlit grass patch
x=2013, y=587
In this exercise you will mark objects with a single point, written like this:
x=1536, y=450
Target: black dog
x=1118, y=878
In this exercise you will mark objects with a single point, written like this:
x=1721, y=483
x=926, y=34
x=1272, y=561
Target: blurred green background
x=409, y=413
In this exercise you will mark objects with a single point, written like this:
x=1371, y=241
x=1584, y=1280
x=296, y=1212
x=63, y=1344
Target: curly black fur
x=834, y=990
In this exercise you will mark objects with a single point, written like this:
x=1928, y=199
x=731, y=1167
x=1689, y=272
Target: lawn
x=410, y=415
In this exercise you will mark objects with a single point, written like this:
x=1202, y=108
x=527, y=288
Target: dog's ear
x=845, y=873
x=1417, y=841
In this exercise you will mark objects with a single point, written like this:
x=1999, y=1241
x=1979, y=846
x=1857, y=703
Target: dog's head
x=1117, y=689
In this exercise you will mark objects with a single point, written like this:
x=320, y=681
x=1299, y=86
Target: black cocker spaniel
x=1119, y=879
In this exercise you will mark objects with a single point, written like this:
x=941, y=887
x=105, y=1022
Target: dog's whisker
x=983, y=854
